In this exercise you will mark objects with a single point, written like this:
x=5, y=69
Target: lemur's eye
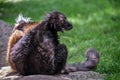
x=62, y=21
x=65, y=18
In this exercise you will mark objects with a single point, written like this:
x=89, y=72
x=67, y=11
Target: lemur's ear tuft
x=21, y=19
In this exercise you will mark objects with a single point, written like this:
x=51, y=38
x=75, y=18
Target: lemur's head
x=58, y=21
x=24, y=24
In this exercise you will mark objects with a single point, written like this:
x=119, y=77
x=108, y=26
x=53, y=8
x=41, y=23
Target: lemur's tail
x=90, y=63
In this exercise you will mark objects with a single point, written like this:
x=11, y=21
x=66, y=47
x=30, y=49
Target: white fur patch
x=21, y=18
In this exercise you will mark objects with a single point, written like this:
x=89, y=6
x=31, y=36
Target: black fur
x=39, y=52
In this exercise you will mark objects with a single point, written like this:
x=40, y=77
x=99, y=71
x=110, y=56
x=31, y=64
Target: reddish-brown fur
x=15, y=37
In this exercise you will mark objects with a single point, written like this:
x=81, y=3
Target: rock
x=34, y=77
x=80, y=75
x=5, y=30
x=85, y=75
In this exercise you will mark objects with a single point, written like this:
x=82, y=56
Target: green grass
x=96, y=24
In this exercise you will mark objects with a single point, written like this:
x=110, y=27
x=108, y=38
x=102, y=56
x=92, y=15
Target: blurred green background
x=96, y=24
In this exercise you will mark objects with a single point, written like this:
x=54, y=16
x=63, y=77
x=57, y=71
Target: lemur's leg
x=60, y=58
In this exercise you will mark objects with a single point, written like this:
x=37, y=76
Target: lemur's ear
x=48, y=17
x=20, y=20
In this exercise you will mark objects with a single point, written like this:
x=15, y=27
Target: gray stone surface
x=80, y=75
x=5, y=30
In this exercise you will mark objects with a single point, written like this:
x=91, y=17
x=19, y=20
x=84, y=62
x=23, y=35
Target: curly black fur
x=39, y=51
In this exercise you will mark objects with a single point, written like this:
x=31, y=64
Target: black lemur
x=40, y=52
